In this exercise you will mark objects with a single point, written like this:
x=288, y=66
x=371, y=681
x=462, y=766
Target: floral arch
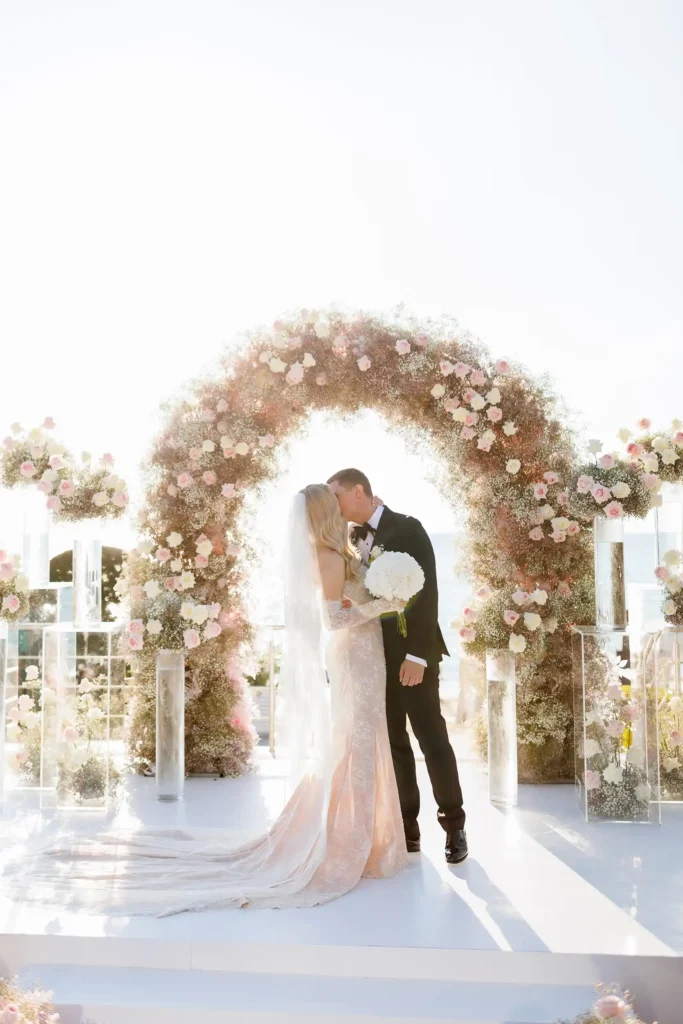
x=507, y=455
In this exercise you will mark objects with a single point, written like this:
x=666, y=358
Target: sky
x=173, y=173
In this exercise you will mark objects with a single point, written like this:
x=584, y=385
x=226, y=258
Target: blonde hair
x=329, y=529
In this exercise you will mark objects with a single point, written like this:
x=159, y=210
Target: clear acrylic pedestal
x=663, y=672
x=615, y=726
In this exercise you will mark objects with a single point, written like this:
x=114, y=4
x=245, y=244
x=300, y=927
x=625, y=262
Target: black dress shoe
x=413, y=845
x=456, y=846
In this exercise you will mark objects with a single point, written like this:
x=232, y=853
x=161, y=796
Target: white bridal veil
x=168, y=871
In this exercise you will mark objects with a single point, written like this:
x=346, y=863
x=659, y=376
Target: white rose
x=277, y=366
x=513, y=466
x=146, y=547
x=669, y=607
x=438, y=391
x=460, y=414
x=659, y=443
x=591, y=748
x=676, y=704
x=669, y=457
x=532, y=621
x=176, y=565
x=174, y=539
x=477, y=403
x=187, y=611
x=308, y=360
x=621, y=490
x=50, y=475
x=509, y=428
x=154, y=627
x=208, y=446
x=672, y=557
x=551, y=625
x=20, y=584
x=205, y=547
x=539, y=596
x=101, y=499
x=227, y=442
x=187, y=581
x=493, y=397
x=560, y=523
x=651, y=463
x=152, y=588
x=517, y=643
x=242, y=448
x=673, y=585
x=200, y=614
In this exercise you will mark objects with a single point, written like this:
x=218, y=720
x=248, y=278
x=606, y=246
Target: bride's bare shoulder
x=332, y=573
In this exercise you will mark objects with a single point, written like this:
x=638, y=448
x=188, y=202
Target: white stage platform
x=545, y=907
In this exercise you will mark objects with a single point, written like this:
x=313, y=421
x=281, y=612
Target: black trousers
x=421, y=705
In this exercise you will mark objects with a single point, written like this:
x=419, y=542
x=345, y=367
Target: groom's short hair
x=349, y=478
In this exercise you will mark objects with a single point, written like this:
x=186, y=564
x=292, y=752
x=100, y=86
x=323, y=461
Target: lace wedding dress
x=342, y=823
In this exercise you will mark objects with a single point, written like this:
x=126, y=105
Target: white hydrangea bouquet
x=395, y=575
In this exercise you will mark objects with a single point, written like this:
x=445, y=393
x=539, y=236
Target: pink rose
x=451, y=404
x=209, y=477
x=137, y=592
x=446, y=367
x=678, y=437
x=421, y=340
x=645, y=424
x=469, y=395
x=54, y=503
x=562, y=498
x=214, y=610
x=469, y=614
x=540, y=491
x=185, y=480
x=634, y=450
x=222, y=426
x=45, y=486
x=267, y=441
x=468, y=433
x=467, y=634
x=402, y=347
x=191, y=638
x=135, y=642
x=615, y=510
x=11, y=603
x=551, y=478
x=631, y=712
x=502, y=367
x=592, y=780
x=662, y=572
x=207, y=416
x=27, y=470
x=471, y=419
x=201, y=561
x=49, y=423
x=120, y=499
x=57, y=462
x=162, y=554
x=7, y=571
x=233, y=550
x=70, y=734
x=461, y=370
x=615, y=730
x=107, y=459
x=606, y=462
x=321, y=380
x=483, y=445
x=585, y=484
x=536, y=533
x=563, y=589
x=601, y=493
x=195, y=454
x=170, y=583
x=228, y=490
x=520, y=597
x=612, y=1007
x=364, y=363
x=614, y=692
x=675, y=738
x=559, y=536
x=511, y=617
x=221, y=405
x=229, y=453
x=66, y=488
x=137, y=626
x=650, y=481
x=495, y=414
x=212, y=630
x=573, y=529
x=478, y=378
x=9, y=443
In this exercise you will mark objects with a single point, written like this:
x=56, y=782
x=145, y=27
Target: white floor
x=538, y=881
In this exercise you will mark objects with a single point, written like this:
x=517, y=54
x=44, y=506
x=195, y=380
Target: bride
x=343, y=819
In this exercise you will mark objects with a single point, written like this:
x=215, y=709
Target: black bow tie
x=361, y=532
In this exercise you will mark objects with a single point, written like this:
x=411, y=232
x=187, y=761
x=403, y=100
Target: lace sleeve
x=349, y=618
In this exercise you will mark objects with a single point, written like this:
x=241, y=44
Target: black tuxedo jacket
x=396, y=532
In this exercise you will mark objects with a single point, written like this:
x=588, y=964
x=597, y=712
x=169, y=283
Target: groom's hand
x=411, y=673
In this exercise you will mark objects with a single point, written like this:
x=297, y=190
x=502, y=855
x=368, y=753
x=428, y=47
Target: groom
x=412, y=665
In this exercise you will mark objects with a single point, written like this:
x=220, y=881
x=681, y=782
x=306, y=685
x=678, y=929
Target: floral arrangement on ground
x=507, y=455
x=73, y=490
x=18, y=1006
x=612, y=1005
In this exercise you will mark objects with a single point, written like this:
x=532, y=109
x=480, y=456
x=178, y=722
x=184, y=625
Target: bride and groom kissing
x=352, y=680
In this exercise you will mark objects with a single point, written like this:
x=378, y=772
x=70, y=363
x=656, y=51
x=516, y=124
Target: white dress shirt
x=365, y=547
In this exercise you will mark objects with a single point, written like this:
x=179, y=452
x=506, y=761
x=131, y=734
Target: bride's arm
x=332, y=573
